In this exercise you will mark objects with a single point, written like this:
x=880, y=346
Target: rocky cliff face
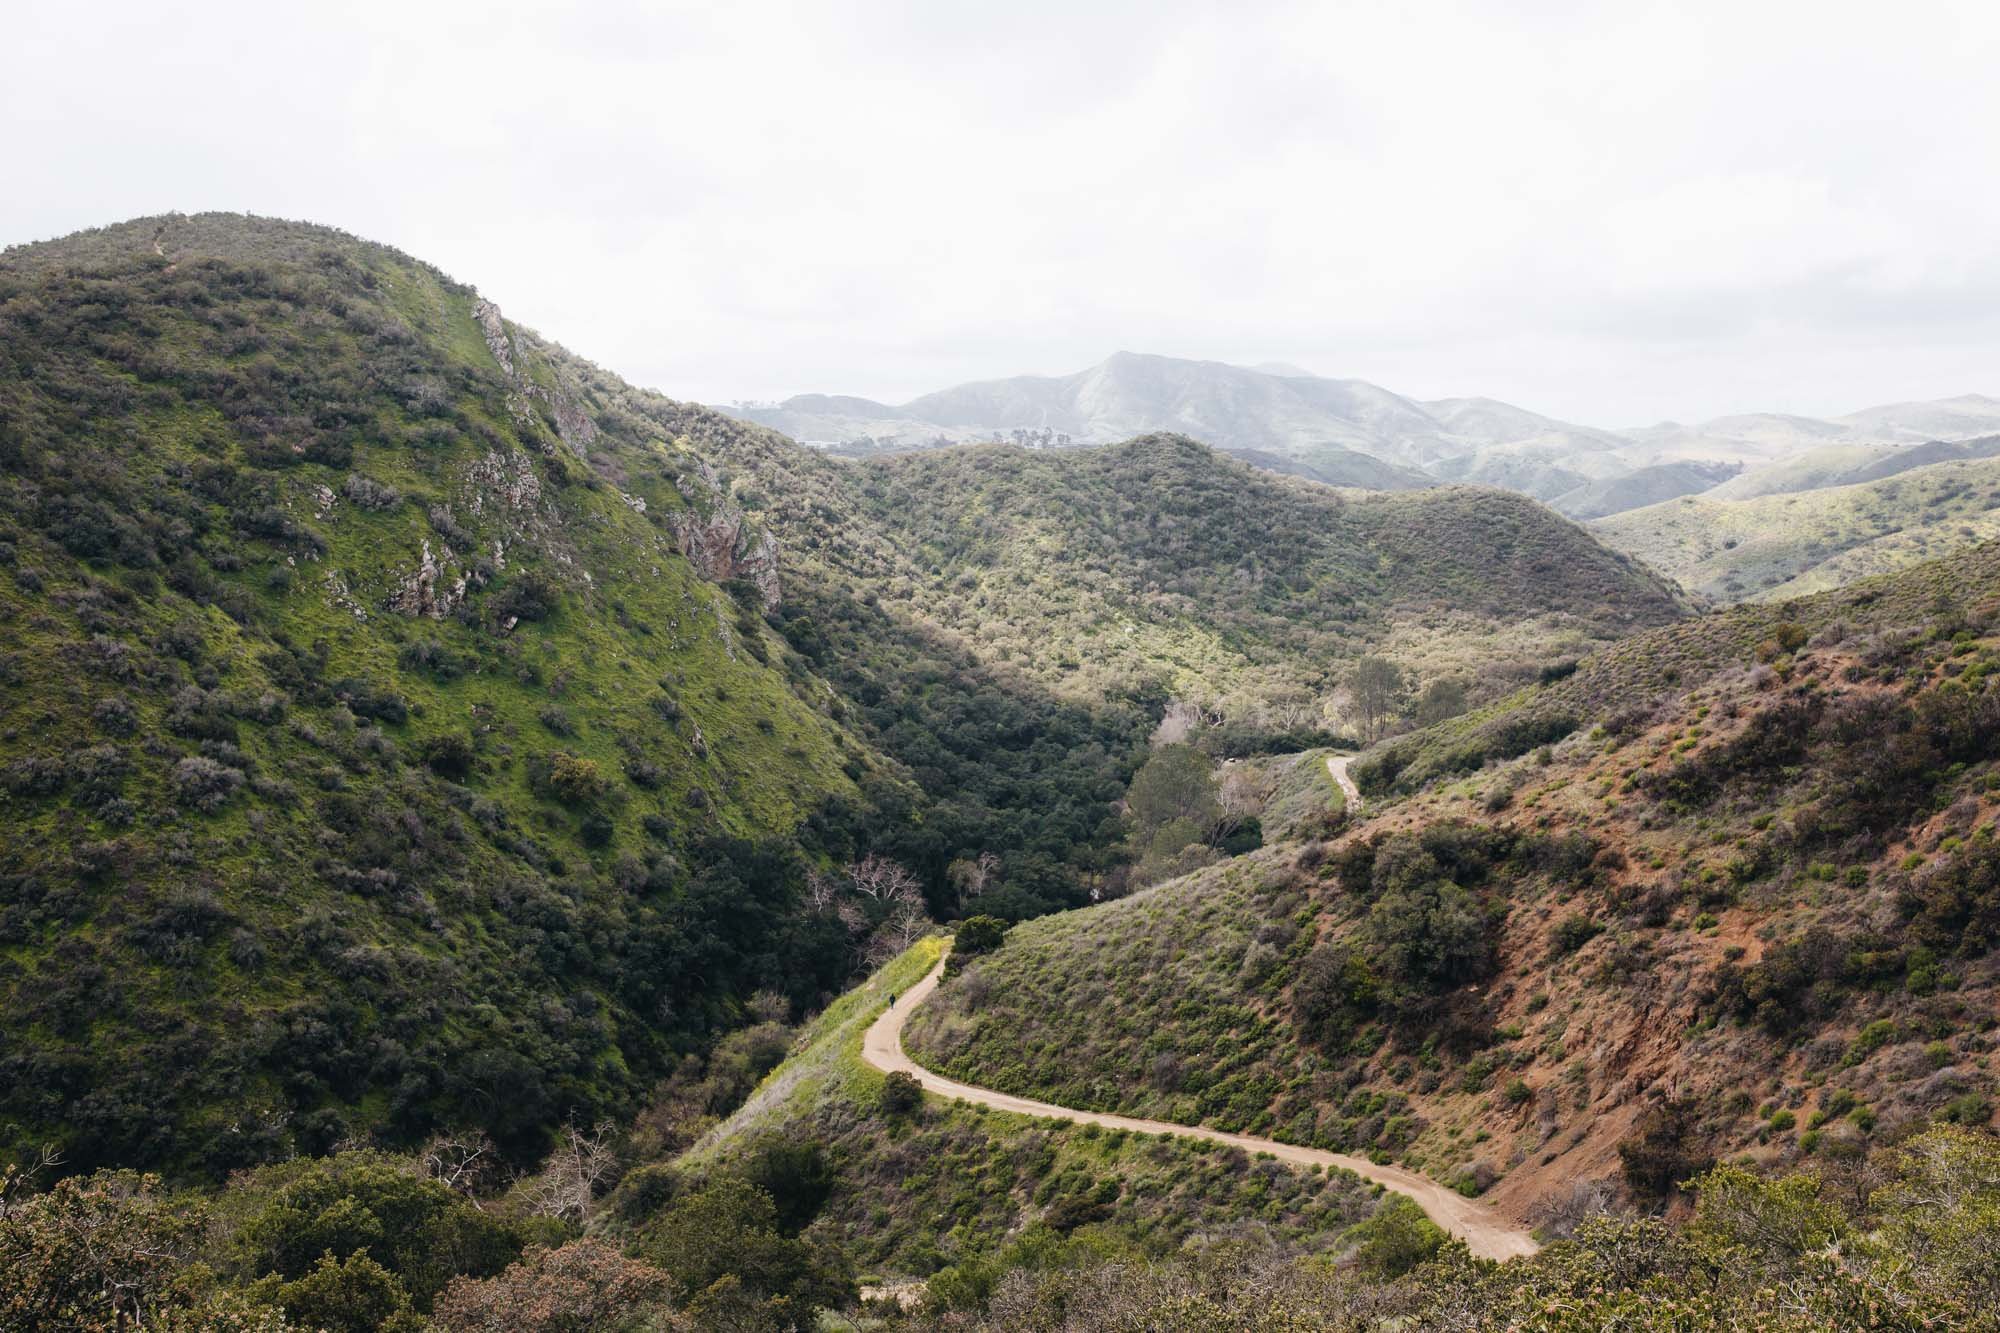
x=573, y=423
x=714, y=534
x=724, y=545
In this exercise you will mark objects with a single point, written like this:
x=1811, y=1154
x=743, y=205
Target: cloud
x=1615, y=213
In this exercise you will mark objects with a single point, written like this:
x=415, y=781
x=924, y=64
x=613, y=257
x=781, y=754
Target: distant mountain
x=1276, y=409
x=1850, y=465
x=1287, y=420
x=1636, y=489
x=1340, y=467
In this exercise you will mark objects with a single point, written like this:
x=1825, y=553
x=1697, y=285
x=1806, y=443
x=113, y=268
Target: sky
x=1612, y=213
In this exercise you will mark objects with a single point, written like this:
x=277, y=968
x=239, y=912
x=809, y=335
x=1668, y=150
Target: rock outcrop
x=725, y=545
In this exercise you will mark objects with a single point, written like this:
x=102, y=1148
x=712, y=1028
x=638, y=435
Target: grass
x=951, y=1182
x=1780, y=546
x=1837, y=739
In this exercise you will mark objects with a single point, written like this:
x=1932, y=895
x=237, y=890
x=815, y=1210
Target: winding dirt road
x=1485, y=1232
x=1336, y=767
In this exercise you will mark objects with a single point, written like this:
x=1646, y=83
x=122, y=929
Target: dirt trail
x=1336, y=767
x=1485, y=1232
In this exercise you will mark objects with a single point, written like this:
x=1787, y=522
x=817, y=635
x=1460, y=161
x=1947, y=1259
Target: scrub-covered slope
x=370, y=760
x=1161, y=561
x=1752, y=912
x=1772, y=547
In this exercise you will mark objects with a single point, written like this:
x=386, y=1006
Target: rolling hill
x=1789, y=542
x=1736, y=899
x=410, y=724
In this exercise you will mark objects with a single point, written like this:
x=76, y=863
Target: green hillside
x=411, y=724
x=1161, y=561
x=1781, y=545
x=371, y=761
x=1742, y=906
x=942, y=1185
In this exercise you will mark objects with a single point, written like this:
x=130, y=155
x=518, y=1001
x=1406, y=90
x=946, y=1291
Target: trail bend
x=1336, y=768
x=1485, y=1232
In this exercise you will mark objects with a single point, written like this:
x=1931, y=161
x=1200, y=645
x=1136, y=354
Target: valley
x=476, y=830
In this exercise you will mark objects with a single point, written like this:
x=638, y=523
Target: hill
x=1288, y=420
x=1783, y=544
x=412, y=725
x=1161, y=564
x=1339, y=467
x=1639, y=488
x=372, y=761
x=1734, y=902
x=1848, y=465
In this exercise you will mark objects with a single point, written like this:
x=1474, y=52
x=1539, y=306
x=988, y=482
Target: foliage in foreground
x=1775, y=1254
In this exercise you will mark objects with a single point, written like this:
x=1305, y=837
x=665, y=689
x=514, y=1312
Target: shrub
x=574, y=780
x=1573, y=932
x=204, y=783
x=433, y=659
x=367, y=493
x=1664, y=1152
x=900, y=1094
x=977, y=935
x=93, y=1253
x=586, y=1286
x=1396, y=1239
x=528, y=596
x=449, y=755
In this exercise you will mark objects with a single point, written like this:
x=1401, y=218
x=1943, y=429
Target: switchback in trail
x=1485, y=1232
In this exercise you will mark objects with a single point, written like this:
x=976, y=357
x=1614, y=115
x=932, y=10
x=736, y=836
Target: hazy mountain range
x=1345, y=431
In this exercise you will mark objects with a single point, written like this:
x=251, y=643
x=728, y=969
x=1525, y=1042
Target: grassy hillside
x=1781, y=545
x=944, y=1186
x=1749, y=912
x=411, y=724
x=370, y=761
x=1638, y=488
x=1159, y=561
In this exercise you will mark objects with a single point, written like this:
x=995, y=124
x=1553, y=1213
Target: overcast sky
x=1615, y=213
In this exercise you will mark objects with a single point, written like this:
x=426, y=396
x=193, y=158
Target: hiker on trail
x=892, y=999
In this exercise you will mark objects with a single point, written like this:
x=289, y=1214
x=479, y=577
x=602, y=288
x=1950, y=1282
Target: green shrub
x=900, y=1095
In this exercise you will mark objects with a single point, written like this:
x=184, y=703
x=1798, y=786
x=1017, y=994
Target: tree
x=1431, y=935
x=586, y=1286
x=567, y=1187
x=418, y=1229
x=977, y=935
x=724, y=1249
x=351, y=1295
x=972, y=876
x=1440, y=699
x=1377, y=687
x=1177, y=782
x=879, y=879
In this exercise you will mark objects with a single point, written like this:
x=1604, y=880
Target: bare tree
x=903, y=926
x=821, y=889
x=567, y=1186
x=462, y=1163
x=880, y=879
x=18, y=1182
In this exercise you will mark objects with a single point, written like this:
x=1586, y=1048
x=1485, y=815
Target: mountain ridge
x=1316, y=424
